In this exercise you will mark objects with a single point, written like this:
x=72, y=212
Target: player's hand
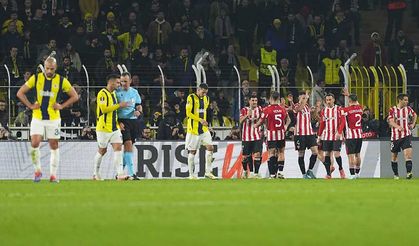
x=57, y=106
x=338, y=136
x=412, y=126
x=124, y=104
x=137, y=113
x=318, y=140
x=203, y=122
x=345, y=92
x=122, y=126
x=34, y=106
x=400, y=128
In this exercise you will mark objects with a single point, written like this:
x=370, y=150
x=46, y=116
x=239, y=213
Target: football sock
x=128, y=163
x=191, y=165
x=98, y=161
x=271, y=165
x=302, y=164
x=409, y=166
x=244, y=164
x=54, y=160
x=250, y=162
x=352, y=171
x=208, y=161
x=327, y=164
x=281, y=166
x=257, y=165
x=117, y=162
x=313, y=159
x=357, y=169
x=36, y=158
x=395, y=168
x=339, y=161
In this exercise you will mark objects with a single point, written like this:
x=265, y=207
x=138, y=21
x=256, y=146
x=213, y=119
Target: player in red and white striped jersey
x=330, y=131
x=402, y=119
x=353, y=129
x=276, y=120
x=251, y=137
x=304, y=137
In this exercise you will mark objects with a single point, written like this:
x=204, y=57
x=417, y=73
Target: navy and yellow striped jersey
x=196, y=109
x=106, y=111
x=47, y=93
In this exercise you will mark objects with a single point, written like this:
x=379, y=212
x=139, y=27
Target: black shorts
x=353, y=146
x=401, y=144
x=328, y=146
x=278, y=144
x=131, y=129
x=305, y=142
x=251, y=147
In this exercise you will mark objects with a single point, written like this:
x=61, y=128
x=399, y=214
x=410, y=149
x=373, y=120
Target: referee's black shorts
x=130, y=131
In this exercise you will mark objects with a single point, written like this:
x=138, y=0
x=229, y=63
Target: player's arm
x=103, y=101
x=288, y=121
x=243, y=116
x=414, y=119
x=391, y=121
x=321, y=126
x=21, y=94
x=341, y=124
x=72, y=94
x=138, y=107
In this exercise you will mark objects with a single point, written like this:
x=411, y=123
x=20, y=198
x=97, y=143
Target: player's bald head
x=50, y=65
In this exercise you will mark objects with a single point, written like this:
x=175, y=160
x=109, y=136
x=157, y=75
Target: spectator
x=294, y=34
x=318, y=92
x=215, y=11
x=94, y=51
x=316, y=55
x=74, y=56
x=374, y=53
x=39, y=28
x=178, y=39
x=130, y=41
x=201, y=39
x=412, y=67
x=182, y=68
x=395, y=10
x=89, y=7
x=315, y=31
x=228, y=74
x=29, y=49
x=330, y=72
x=342, y=51
x=11, y=38
x=111, y=23
x=15, y=65
x=277, y=36
x=158, y=32
x=337, y=29
x=223, y=30
x=105, y=66
x=79, y=41
x=245, y=92
x=215, y=117
x=27, y=12
x=132, y=20
x=400, y=49
x=245, y=24
x=5, y=10
x=14, y=19
x=170, y=128
x=50, y=47
x=68, y=71
x=267, y=56
x=87, y=133
x=89, y=24
x=234, y=134
x=146, y=134
x=287, y=78
x=64, y=31
x=4, y=115
x=142, y=65
x=110, y=41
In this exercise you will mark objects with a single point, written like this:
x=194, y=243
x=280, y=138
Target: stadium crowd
x=175, y=34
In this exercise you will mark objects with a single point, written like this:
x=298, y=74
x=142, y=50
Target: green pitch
x=206, y=212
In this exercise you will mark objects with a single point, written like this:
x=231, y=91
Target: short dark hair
x=275, y=95
x=112, y=76
x=203, y=86
x=330, y=95
x=253, y=96
x=353, y=97
x=401, y=96
x=302, y=93
x=126, y=74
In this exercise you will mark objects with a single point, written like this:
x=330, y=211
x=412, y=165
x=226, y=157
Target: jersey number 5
x=278, y=118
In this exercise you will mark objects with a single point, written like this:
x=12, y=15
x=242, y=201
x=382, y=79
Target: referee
x=128, y=120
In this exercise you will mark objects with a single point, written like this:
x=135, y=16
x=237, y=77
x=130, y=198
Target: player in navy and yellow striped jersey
x=107, y=127
x=197, y=130
x=46, y=112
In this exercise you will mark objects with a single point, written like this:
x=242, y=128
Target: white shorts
x=192, y=141
x=104, y=138
x=48, y=128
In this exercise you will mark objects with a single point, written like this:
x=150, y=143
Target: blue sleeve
x=138, y=97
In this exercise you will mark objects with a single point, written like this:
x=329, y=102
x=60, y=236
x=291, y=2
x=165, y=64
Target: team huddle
x=119, y=106
x=337, y=124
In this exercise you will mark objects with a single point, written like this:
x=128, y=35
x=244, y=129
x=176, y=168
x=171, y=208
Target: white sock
x=191, y=164
x=98, y=161
x=117, y=161
x=54, y=160
x=208, y=161
x=36, y=158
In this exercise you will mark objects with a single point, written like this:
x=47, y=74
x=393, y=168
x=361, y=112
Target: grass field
x=206, y=212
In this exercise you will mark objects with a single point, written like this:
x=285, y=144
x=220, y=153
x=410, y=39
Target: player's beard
x=50, y=75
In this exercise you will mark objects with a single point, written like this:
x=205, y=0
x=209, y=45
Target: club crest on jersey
x=102, y=99
x=47, y=93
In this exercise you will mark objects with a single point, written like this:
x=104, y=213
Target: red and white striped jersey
x=331, y=122
x=249, y=132
x=276, y=117
x=402, y=117
x=303, y=121
x=353, y=126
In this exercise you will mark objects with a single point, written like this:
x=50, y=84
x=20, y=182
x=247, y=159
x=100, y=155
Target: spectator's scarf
x=15, y=68
x=108, y=63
